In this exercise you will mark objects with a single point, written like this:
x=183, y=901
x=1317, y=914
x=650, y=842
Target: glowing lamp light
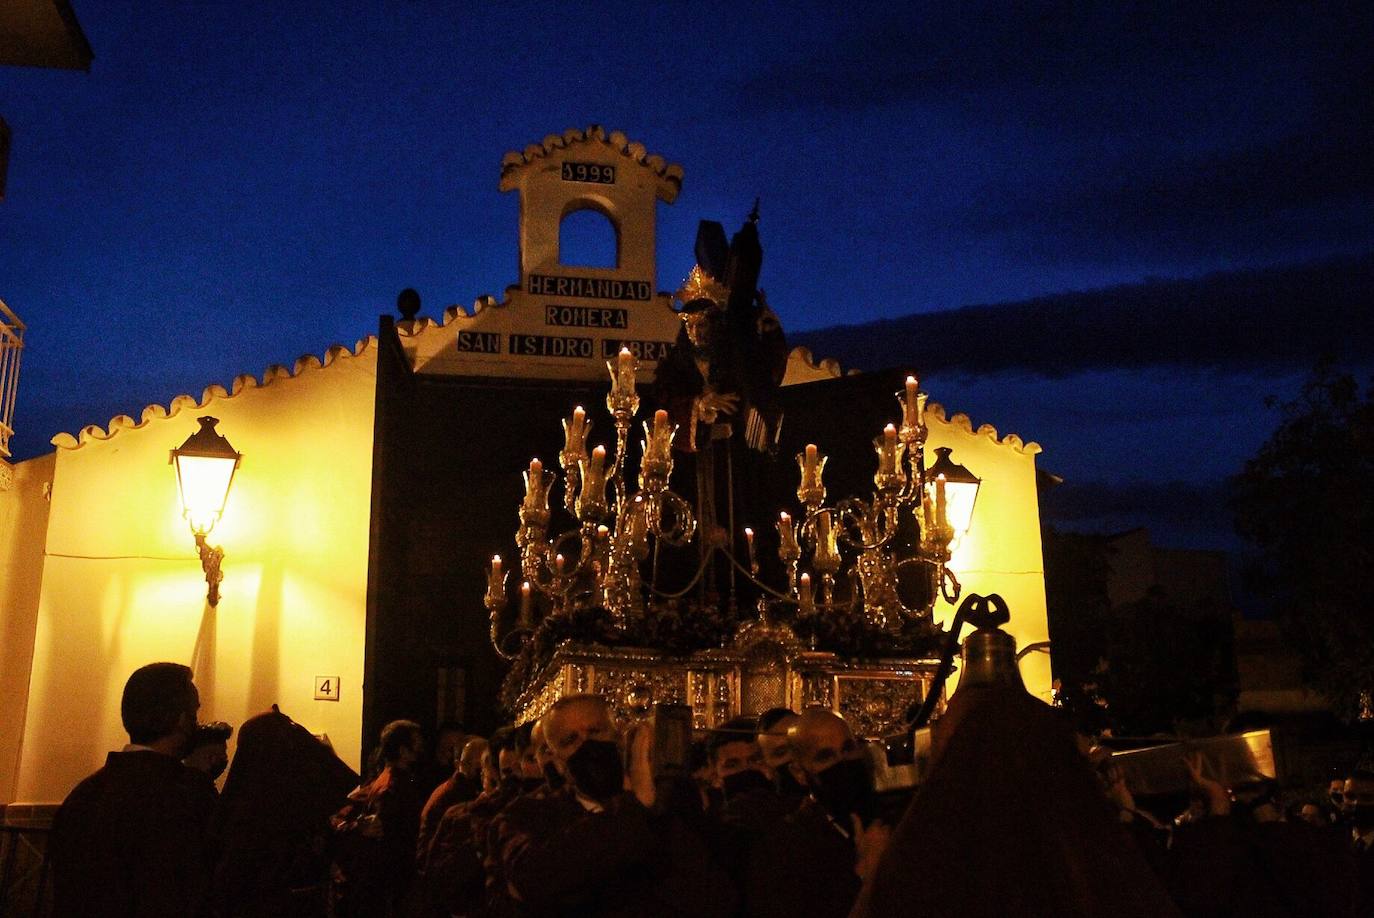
x=961, y=490
x=205, y=466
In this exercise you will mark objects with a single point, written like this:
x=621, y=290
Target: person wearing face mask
x=1233, y=857
x=452, y=859
x=610, y=841
x=813, y=861
x=1357, y=811
x=374, y=835
x=462, y=786
x=777, y=753
x=750, y=806
x=132, y=837
x=736, y=761
x=455, y=792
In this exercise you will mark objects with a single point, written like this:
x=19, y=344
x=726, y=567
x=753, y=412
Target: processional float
x=849, y=623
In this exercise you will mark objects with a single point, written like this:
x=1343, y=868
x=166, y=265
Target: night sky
x=236, y=184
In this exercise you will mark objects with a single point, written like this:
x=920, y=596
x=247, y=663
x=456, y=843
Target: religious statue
x=719, y=381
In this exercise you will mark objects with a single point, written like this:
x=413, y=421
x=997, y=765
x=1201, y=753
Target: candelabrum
x=598, y=562
x=904, y=503
x=855, y=556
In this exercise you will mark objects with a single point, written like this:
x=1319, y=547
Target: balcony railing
x=11, y=348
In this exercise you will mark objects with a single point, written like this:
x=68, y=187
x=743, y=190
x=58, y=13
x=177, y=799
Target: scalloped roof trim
x=961, y=422
x=518, y=159
x=827, y=365
x=411, y=328
x=211, y=393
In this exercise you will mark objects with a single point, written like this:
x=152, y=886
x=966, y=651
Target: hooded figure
x=274, y=819
x=1010, y=822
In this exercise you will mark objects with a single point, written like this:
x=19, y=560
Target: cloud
x=1091, y=500
x=1311, y=190
x=1110, y=55
x=1203, y=134
x=1269, y=320
x=1178, y=514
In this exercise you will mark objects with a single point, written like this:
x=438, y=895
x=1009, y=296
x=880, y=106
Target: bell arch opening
x=588, y=238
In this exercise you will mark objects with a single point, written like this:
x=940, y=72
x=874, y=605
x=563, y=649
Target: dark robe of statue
x=719, y=383
x=731, y=346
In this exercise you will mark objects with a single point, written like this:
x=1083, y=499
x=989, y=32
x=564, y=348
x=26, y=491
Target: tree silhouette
x=1306, y=502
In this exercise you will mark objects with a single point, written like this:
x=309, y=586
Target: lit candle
x=591, y=500
x=827, y=554
x=575, y=432
x=602, y=532
x=812, y=468
x=788, y=549
x=526, y=606
x=637, y=532
x=663, y=434
x=804, y=598
x=911, y=404
x=749, y=541
x=536, y=496
x=941, y=516
x=559, y=563
x=887, y=455
x=496, y=586
x=597, y=465
x=625, y=372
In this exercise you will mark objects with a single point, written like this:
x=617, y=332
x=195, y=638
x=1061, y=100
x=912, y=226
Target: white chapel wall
x=122, y=585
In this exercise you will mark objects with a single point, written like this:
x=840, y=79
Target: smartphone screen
x=672, y=739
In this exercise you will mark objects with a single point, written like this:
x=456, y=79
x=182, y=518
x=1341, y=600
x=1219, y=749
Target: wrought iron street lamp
x=960, y=490
x=205, y=466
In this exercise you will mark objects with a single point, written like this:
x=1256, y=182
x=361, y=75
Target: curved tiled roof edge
x=211, y=393
x=961, y=421
x=518, y=159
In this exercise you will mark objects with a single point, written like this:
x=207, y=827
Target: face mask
x=788, y=785
x=596, y=769
x=553, y=777
x=845, y=789
x=743, y=781
x=1361, y=816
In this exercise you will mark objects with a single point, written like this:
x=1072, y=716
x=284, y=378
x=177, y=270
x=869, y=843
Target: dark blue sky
x=235, y=184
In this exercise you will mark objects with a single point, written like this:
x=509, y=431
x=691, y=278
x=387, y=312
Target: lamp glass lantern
x=205, y=466
x=961, y=490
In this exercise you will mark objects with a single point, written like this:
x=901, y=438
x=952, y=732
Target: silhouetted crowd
x=788, y=814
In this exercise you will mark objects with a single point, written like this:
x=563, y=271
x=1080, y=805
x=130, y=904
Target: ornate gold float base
x=764, y=667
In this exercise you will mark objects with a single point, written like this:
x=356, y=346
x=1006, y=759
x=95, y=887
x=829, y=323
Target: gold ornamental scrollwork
x=873, y=695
